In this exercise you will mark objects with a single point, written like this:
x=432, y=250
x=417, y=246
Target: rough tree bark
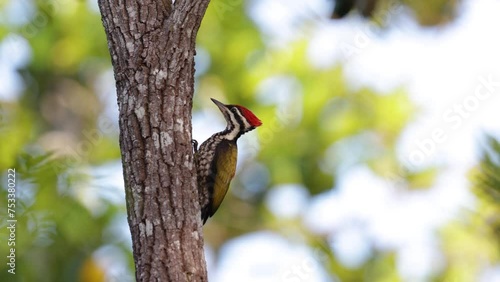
x=152, y=46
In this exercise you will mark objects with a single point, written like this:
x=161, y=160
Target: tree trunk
x=152, y=46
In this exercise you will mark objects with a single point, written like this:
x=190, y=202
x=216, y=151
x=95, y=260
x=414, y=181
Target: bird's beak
x=221, y=106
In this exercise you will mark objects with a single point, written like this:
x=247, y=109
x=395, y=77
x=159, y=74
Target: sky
x=452, y=75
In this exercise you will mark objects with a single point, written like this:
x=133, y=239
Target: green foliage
x=56, y=233
x=487, y=175
x=475, y=240
x=432, y=13
x=486, y=179
x=426, y=13
x=16, y=126
x=295, y=139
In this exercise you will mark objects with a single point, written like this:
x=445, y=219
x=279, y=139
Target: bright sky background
x=442, y=68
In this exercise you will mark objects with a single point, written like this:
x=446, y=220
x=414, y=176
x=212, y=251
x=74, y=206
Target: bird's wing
x=227, y=154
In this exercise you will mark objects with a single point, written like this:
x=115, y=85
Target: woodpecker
x=216, y=159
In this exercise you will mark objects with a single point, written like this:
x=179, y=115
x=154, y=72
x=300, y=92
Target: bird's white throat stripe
x=245, y=121
x=237, y=121
x=234, y=126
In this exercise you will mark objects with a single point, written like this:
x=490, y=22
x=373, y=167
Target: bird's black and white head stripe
x=237, y=122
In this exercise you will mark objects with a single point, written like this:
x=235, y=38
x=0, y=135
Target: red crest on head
x=252, y=119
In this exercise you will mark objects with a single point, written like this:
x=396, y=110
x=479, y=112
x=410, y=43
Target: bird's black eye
x=233, y=110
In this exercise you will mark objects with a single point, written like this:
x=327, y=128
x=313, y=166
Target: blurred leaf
x=426, y=13
x=467, y=248
x=16, y=129
x=487, y=175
